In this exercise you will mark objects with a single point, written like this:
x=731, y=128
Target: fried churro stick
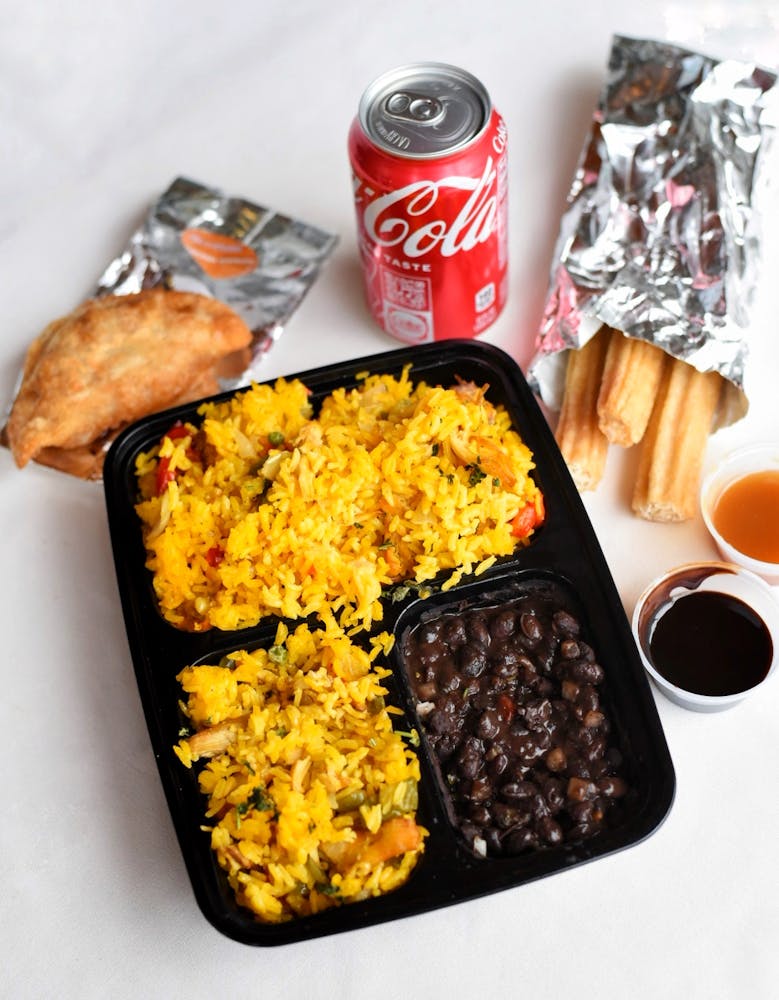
x=671, y=456
x=631, y=376
x=581, y=442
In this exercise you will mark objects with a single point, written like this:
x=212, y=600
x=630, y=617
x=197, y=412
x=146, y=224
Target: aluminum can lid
x=424, y=110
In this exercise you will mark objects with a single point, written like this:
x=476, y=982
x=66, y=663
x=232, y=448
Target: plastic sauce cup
x=744, y=462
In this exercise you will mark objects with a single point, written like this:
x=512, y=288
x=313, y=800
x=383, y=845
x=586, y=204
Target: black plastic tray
x=564, y=551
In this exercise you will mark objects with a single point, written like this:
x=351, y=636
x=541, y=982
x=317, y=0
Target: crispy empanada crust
x=114, y=360
x=86, y=461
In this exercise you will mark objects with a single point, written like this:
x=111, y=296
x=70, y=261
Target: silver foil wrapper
x=196, y=238
x=661, y=235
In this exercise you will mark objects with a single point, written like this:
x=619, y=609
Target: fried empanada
x=114, y=360
x=86, y=461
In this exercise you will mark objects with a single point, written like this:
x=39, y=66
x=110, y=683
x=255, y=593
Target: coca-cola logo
x=410, y=217
x=500, y=138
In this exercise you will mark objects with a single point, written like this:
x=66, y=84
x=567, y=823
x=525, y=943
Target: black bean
x=439, y=722
x=503, y=624
x=449, y=680
x=612, y=787
x=544, y=687
x=569, y=649
x=537, y=713
x=497, y=684
x=432, y=653
x=527, y=670
x=550, y=830
x=526, y=748
x=580, y=736
x=519, y=840
x=517, y=724
x=480, y=816
x=594, y=752
x=578, y=767
x=543, y=740
x=581, y=831
x=528, y=622
x=477, y=632
x=497, y=765
x=488, y=725
x=454, y=633
x=581, y=812
x=452, y=702
x=554, y=793
x=480, y=790
x=446, y=745
x=506, y=816
x=539, y=807
x=507, y=671
x=483, y=698
x=545, y=656
x=428, y=632
x=588, y=698
x=473, y=660
x=472, y=745
x=470, y=765
x=516, y=791
x=565, y=624
x=445, y=663
x=586, y=670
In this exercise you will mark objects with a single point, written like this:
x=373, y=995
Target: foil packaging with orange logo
x=196, y=238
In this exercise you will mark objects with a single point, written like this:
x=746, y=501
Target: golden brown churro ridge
x=578, y=436
x=631, y=377
x=671, y=457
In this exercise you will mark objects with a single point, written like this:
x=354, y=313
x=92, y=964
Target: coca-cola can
x=430, y=173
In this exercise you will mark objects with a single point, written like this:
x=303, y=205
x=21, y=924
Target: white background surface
x=101, y=106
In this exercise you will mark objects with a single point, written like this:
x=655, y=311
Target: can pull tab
x=408, y=106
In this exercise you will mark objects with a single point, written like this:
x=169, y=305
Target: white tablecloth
x=101, y=106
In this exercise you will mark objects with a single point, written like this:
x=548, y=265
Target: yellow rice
x=271, y=511
x=311, y=794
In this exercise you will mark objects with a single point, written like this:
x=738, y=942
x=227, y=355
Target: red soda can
x=430, y=174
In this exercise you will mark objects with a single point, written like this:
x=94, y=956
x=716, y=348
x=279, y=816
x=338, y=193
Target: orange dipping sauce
x=746, y=515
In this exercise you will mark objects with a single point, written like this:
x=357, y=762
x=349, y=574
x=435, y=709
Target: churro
x=631, y=376
x=581, y=441
x=671, y=457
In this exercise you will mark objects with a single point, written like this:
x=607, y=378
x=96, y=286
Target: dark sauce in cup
x=711, y=644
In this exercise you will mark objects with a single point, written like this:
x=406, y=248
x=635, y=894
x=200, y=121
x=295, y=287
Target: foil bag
x=196, y=238
x=661, y=235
